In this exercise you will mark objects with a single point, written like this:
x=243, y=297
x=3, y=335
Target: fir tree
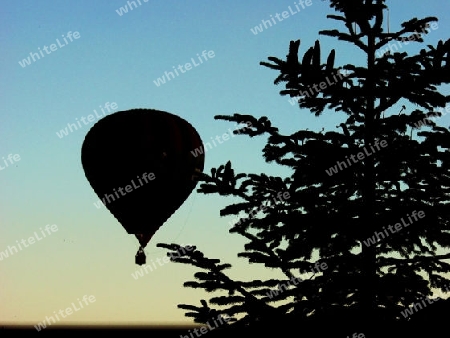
x=376, y=220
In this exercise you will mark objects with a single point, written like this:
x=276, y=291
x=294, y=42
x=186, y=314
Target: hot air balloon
x=143, y=164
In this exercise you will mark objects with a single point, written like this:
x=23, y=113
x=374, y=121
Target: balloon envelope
x=142, y=164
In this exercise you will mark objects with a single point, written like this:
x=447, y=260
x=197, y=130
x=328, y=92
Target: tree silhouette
x=368, y=199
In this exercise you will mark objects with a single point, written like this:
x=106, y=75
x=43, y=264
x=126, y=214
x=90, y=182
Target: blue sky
x=116, y=59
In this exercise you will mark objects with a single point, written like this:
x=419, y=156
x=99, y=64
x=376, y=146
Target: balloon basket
x=140, y=257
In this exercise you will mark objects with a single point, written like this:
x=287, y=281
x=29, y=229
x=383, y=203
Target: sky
x=97, y=56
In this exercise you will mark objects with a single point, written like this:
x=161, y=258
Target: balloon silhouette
x=142, y=164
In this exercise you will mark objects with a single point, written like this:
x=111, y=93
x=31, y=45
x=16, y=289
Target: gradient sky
x=117, y=59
